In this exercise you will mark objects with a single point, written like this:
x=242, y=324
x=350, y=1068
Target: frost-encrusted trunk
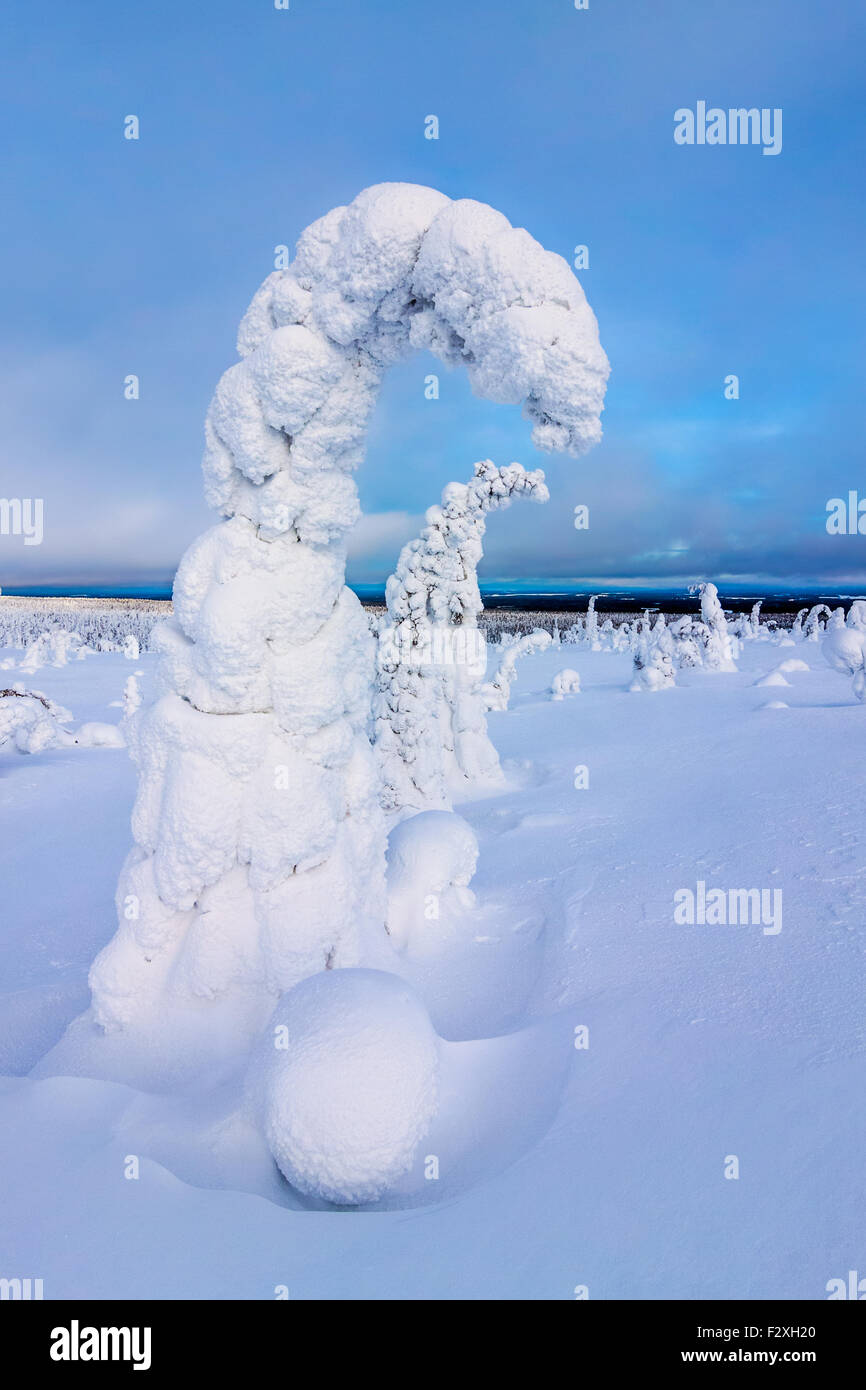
x=430, y=726
x=259, y=841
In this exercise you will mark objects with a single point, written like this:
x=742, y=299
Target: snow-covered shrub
x=348, y=1074
x=565, y=682
x=496, y=693
x=686, y=635
x=431, y=861
x=32, y=722
x=259, y=850
x=430, y=730
x=653, y=660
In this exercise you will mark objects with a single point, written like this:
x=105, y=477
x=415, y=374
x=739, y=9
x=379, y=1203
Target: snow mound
x=431, y=861
x=775, y=704
x=350, y=1084
x=565, y=682
x=793, y=664
x=96, y=735
x=774, y=678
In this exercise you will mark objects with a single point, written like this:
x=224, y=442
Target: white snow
x=602, y=1165
x=348, y=1071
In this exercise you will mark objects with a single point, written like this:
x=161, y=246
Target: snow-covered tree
x=686, y=635
x=718, y=648
x=592, y=625
x=844, y=649
x=430, y=730
x=857, y=615
x=653, y=659
x=565, y=682
x=812, y=627
x=259, y=853
x=497, y=692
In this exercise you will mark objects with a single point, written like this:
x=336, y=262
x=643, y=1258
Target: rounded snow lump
x=351, y=1085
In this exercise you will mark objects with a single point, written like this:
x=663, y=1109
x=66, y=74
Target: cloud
x=376, y=542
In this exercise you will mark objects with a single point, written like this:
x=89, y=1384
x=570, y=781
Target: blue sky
x=139, y=257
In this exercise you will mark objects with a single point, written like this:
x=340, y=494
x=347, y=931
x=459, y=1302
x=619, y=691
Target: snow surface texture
x=259, y=854
x=430, y=729
x=703, y=1040
x=349, y=1076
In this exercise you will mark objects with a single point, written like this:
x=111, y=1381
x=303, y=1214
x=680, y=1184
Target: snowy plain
x=559, y=1167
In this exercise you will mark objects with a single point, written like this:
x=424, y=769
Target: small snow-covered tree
x=718, y=648
x=497, y=692
x=430, y=730
x=686, y=635
x=592, y=625
x=565, y=682
x=653, y=659
x=857, y=615
x=844, y=649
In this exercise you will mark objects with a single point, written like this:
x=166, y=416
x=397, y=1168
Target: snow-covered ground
x=559, y=1165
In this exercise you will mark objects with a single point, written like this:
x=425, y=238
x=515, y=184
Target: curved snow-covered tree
x=259, y=853
x=497, y=691
x=430, y=727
